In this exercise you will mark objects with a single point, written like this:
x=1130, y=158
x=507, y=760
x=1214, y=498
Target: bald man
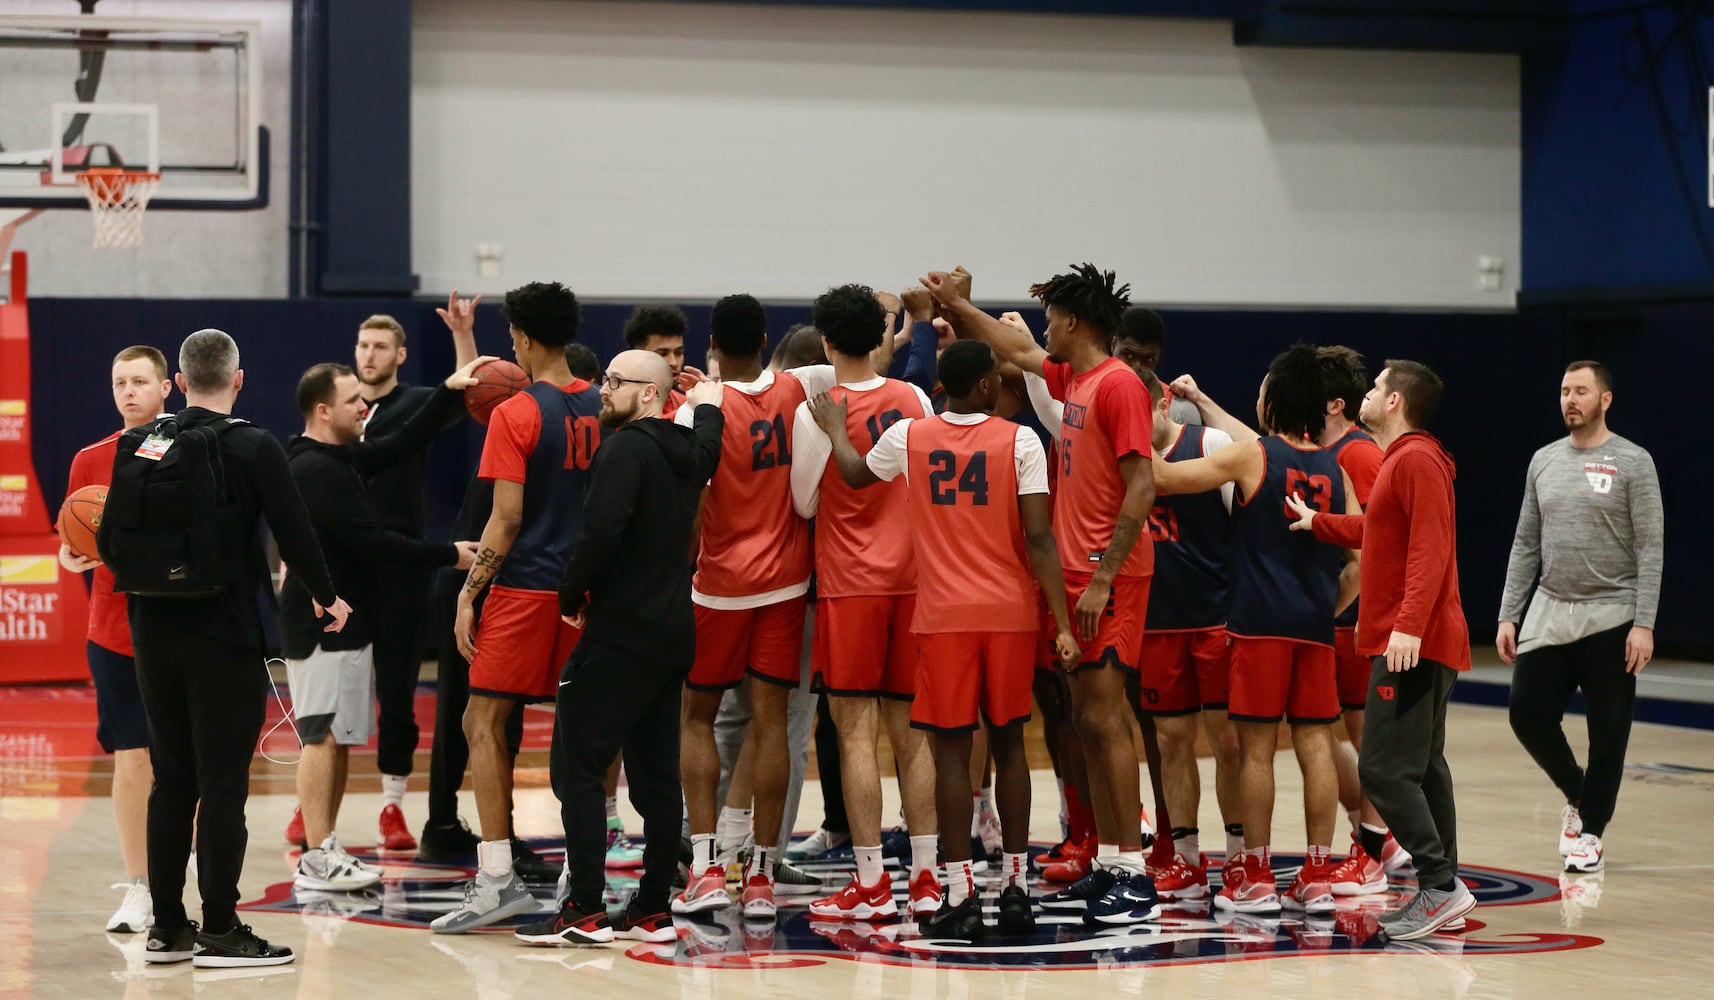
x=628, y=588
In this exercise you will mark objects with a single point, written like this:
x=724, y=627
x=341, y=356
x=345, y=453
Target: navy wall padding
x=1502, y=372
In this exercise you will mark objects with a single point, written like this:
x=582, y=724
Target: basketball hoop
x=117, y=198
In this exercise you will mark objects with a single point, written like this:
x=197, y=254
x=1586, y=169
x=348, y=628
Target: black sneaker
x=1017, y=913
x=962, y=922
x=530, y=866
x=569, y=925
x=236, y=949
x=453, y=842
x=170, y=944
x=641, y=924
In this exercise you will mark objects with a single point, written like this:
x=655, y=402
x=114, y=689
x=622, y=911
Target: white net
x=117, y=200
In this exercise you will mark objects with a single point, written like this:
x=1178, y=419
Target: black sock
x=1234, y=829
x=1450, y=885
x=1181, y=832
x=1374, y=843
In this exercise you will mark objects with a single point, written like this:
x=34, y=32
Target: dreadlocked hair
x=1087, y=293
x=1295, y=401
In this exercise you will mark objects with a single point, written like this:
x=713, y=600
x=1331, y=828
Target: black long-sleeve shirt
x=631, y=558
x=351, y=530
x=259, y=484
x=396, y=492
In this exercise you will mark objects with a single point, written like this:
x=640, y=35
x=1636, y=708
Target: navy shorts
x=119, y=720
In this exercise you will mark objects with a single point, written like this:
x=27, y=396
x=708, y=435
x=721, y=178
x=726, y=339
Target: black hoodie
x=633, y=558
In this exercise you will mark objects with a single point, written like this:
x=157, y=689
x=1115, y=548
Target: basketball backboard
x=177, y=96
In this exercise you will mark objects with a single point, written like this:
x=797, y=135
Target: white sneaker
x=733, y=857
x=329, y=869
x=137, y=912
x=1570, y=828
x=988, y=829
x=1585, y=854
x=818, y=844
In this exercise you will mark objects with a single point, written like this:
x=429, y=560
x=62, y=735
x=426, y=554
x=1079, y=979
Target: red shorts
x=864, y=646
x=959, y=673
x=1352, y=670
x=521, y=645
x=1118, y=639
x=1282, y=678
x=1185, y=672
x=766, y=641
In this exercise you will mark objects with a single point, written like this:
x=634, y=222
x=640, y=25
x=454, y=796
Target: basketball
x=79, y=518
x=496, y=382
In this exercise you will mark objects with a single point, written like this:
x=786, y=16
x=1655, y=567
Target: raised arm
x=460, y=318
x=1212, y=415
x=1009, y=344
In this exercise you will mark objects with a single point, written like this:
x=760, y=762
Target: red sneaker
x=925, y=893
x=1358, y=875
x=394, y=834
x=1393, y=856
x=1181, y=879
x=706, y=891
x=1070, y=870
x=295, y=828
x=1312, y=890
x=1064, y=850
x=858, y=902
x=1248, y=887
x=758, y=897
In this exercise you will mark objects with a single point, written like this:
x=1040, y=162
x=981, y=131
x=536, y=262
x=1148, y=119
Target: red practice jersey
x=964, y=474
x=109, y=628
x=1107, y=418
x=862, y=538
x=753, y=543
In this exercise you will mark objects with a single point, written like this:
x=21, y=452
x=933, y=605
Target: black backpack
x=169, y=528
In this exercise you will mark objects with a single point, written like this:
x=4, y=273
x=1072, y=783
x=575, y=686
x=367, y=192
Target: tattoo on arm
x=482, y=571
x=1126, y=531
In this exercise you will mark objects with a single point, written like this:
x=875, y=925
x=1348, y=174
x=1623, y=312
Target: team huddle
x=1016, y=525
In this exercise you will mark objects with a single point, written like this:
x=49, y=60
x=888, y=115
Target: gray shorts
x=334, y=692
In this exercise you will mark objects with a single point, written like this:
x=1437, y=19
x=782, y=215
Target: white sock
x=1064, y=810
x=960, y=882
x=1133, y=862
x=393, y=789
x=1234, y=845
x=733, y=827
x=869, y=866
x=494, y=858
x=701, y=852
x=762, y=861
x=1107, y=855
x=925, y=852
x=1189, y=847
x=975, y=815
x=986, y=803
x=1016, y=869
x=612, y=808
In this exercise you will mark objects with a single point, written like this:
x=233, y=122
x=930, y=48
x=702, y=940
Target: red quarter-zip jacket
x=1409, y=539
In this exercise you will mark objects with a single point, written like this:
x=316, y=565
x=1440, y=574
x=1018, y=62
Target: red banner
x=44, y=610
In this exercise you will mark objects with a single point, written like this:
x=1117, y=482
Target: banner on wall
x=44, y=610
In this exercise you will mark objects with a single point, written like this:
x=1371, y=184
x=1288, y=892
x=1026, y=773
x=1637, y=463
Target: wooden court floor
x=1639, y=928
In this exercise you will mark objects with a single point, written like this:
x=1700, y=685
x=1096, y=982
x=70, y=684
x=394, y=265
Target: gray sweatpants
x=1403, y=764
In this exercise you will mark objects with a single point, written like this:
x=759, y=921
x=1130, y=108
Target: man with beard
x=1590, y=539
x=627, y=586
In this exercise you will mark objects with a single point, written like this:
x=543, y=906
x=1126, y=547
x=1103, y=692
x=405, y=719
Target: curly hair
x=738, y=326
x=1294, y=403
x=851, y=320
x=654, y=321
x=962, y=364
x=1087, y=293
x=544, y=311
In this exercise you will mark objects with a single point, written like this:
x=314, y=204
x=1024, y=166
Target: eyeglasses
x=613, y=382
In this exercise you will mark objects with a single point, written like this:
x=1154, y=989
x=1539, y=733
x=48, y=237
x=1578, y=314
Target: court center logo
x=414, y=893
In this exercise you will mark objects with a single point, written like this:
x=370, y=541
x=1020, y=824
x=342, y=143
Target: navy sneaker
x=1130, y=901
x=1081, y=893
x=896, y=843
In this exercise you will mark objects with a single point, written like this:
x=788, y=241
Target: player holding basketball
x=977, y=628
x=140, y=391
x=750, y=595
x=537, y=453
x=1281, y=625
x=1106, y=489
x=865, y=655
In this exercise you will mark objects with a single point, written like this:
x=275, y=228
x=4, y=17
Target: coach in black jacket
x=332, y=675
x=628, y=586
